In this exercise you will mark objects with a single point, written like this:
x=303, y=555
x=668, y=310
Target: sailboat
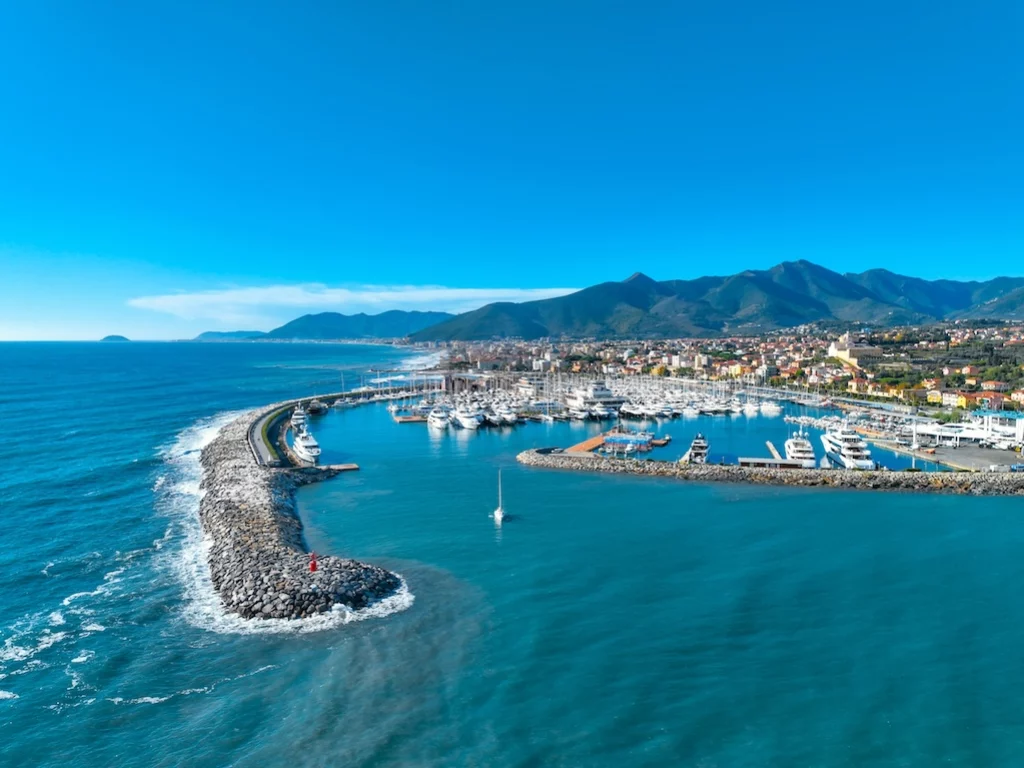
x=499, y=513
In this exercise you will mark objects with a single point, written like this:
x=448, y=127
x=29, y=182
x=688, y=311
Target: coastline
x=258, y=558
x=964, y=483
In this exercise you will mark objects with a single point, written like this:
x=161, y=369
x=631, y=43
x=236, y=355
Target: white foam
x=191, y=691
x=419, y=362
x=79, y=595
x=93, y=628
x=140, y=700
x=203, y=608
x=12, y=652
x=7, y=696
x=109, y=580
x=84, y=657
x=57, y=619
x=46, y=569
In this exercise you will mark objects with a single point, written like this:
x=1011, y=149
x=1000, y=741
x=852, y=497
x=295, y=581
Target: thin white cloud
x=258, y=307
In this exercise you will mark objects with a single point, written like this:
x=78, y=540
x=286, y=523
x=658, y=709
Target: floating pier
x=409, y=418
x=587, y=446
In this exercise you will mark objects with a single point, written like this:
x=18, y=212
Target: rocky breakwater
x=258, y=559
x=974, y=483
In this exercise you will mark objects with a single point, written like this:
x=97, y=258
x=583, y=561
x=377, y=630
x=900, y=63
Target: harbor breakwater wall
x=258, y=559
x=973, y=483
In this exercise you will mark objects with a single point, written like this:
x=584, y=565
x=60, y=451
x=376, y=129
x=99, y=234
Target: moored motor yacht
x=306, y=447
x=438, y=418
x=698, y=453
x=846, y=449
x=799, y=448
x=468, y=418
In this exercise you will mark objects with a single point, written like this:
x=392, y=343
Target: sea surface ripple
x=612, y=621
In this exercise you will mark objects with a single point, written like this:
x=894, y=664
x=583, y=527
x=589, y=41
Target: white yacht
x=601, y=412
x=846, y=449
x=768, y=408
x=507, y=415
x=438, y=418
x=593, y=395
x=691, y=411
x=799, y=448
x=751, y=408
x=306, y=447
x=467, y=418
x=299, y=417
x=698, y=453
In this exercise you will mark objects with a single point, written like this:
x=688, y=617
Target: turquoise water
x=611, y=621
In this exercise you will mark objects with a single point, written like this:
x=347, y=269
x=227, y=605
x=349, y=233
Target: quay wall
x=258, y=560
x=972, y=483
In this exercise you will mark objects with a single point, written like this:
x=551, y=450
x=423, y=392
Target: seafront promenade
x=970, y=483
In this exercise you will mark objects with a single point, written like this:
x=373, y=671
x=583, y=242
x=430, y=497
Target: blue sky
x=173, y=167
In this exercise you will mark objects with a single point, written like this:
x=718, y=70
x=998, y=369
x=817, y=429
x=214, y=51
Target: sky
x=173, y=167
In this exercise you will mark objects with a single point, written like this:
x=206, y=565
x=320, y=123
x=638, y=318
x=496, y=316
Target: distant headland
x=115, y=337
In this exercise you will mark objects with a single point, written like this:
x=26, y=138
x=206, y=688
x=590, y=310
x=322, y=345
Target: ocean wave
x=421, y=361
x=179, y=499
x=7, y=696
x=13, y=652
x=189, y=691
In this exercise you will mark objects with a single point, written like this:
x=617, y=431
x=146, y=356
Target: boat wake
x=178, y=498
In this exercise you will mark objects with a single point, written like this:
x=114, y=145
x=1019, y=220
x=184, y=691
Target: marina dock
x=409, y=418
x=587, y=446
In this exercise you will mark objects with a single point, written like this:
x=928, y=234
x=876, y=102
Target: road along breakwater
x=258, y=560
x=973, y=483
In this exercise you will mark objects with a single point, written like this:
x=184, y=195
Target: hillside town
x=956, y=366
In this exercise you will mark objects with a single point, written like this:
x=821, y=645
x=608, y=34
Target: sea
x=610, y=621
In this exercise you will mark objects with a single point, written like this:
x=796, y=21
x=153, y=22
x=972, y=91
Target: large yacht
x=438, y=418
x=306, y=447
x=468, y=418
x=594, y=395
x=698, y=453
x=799, y=448
x=846, y=449
x=298, y=417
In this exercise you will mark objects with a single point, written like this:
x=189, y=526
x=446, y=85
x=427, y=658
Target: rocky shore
x=973, y=483
x=259, y=563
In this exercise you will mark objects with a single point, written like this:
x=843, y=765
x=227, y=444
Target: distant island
x=115, y=337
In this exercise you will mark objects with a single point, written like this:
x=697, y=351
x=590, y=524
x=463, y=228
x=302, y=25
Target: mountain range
x=393, y=324
x=753, y=301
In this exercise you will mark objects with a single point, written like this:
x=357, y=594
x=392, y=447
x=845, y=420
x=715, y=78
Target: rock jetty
x=973, y=483
x=259, y=563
